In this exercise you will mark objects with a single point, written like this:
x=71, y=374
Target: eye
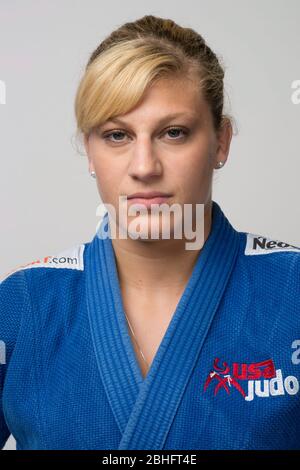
x=121, y=133
x=176, y=129
x=107, y=136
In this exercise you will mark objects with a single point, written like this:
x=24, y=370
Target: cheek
x=109, y=178
x=193, y=173
x=108, y=186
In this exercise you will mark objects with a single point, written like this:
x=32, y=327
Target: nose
x=144, y=163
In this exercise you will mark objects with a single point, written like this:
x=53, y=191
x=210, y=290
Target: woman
x=140, y=343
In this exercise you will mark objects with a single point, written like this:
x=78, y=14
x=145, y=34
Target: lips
x=146, y=199
x=149, y=195
x=147, y=202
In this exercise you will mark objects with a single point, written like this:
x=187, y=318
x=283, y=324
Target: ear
x=224, y=136
x=86, y=143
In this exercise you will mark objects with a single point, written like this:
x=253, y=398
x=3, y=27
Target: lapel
x=145, y=408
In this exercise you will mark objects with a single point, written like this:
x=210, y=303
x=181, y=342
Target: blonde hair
x=135, y=55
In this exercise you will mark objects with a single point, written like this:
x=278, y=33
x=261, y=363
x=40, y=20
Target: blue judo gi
x=226, y=374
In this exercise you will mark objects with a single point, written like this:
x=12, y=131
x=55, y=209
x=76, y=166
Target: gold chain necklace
x=136, y=340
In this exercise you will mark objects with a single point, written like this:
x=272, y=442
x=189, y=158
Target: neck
x=154, y=266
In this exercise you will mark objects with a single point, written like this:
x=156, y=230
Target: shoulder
x=40, y=281
x=269, y=256
x=34, y=286
x=264, y=245
x=68, y=259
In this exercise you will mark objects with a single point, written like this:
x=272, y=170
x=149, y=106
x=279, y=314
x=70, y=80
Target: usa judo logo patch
x=223, y=379
x=256, y=379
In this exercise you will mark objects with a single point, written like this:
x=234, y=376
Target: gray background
x=48, y=200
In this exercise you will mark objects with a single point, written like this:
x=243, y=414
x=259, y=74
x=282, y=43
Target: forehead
x=177, y=95
x=165, y=100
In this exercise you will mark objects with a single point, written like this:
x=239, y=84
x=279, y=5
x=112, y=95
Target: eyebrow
x=163, y=119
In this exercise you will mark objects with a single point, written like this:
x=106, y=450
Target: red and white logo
x=261, y=379
x=226, y=377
